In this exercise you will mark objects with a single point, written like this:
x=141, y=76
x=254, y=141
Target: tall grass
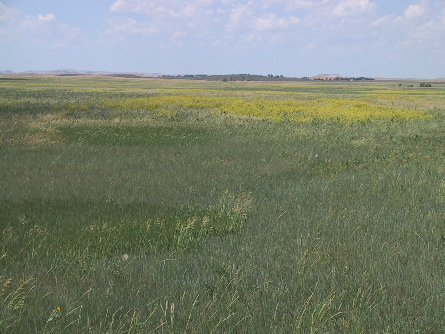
x=138, y=220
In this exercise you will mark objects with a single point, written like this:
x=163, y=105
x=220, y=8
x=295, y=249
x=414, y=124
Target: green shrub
x=425, y=84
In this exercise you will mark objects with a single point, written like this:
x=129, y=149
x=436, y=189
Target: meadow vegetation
x=132, y=205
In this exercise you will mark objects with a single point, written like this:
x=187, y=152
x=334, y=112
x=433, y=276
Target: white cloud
x=47, y=17
x=181, y=31
x=166, y=8
x=382, y=21
x=118, y=5
x=417, y=32
x=353, y=7
x=196, y=18
x=8, y=15
x=129, y=25
x=271, y=22
x=295, y=4
x=43, y=29
x=414, y=11
x=239, y=16
x=308, y=4
x=179, y=34
x=248, y=18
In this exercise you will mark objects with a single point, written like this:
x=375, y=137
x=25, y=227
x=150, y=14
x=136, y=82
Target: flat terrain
x=133, y=205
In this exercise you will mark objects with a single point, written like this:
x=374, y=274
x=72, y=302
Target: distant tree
x=425, y=84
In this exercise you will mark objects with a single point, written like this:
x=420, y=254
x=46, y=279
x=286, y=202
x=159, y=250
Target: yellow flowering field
x=297, y=109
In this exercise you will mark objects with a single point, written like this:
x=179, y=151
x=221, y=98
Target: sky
x=294, y=38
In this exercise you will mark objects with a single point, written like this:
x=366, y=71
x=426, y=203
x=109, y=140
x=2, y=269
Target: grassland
x=163, y=206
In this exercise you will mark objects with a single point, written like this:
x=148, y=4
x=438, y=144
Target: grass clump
x=13, y=295
x=92, y=247
x=27, y=236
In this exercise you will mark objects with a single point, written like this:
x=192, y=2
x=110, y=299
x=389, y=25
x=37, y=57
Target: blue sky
x=376, y=38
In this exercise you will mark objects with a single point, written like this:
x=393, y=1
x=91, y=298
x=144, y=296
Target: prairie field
x=136, y=205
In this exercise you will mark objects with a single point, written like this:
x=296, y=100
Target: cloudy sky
x=378, y=38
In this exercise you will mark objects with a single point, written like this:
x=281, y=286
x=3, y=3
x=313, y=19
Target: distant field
x=133, y=205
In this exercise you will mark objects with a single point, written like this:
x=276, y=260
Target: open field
x=170, y=206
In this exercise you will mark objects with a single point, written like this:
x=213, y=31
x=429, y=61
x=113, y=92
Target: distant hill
x=68, y=72
x=232, y=77
x=210, y=77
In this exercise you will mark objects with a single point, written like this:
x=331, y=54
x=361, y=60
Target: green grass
x=139, y=221
x=130, y=135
